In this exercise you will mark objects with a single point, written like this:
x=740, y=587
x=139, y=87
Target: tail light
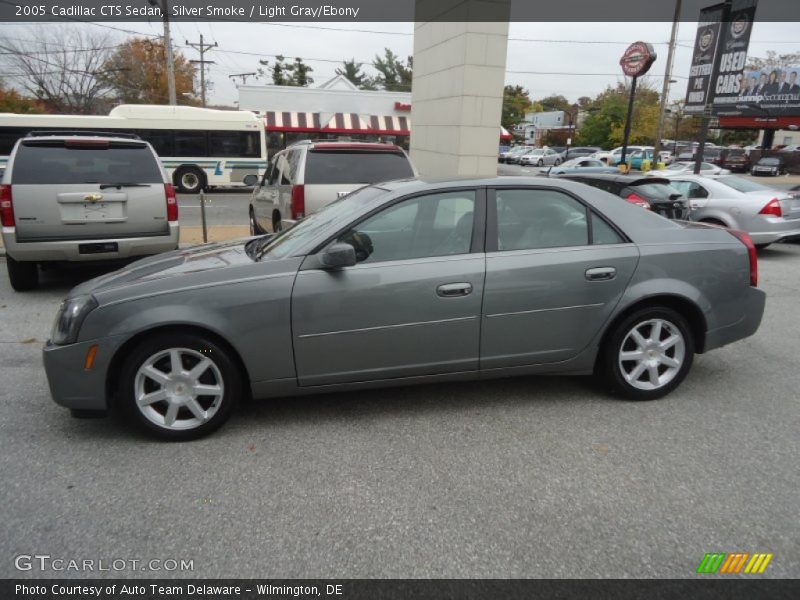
x=172, y=202
x=638, y=201
x=298, y=205
x=773, y=209
x=6, y=206
x=751, y=252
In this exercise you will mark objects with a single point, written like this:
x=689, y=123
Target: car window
x=357, y=166
x=539, y=218
x=603, y=233
x=288, y=167
x=743, y=185
x=425, y=226
x=52, y=162
x=690, y=189
x=268, y=173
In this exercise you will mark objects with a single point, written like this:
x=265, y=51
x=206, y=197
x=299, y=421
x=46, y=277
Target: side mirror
x=338, y=256
x=250, y=180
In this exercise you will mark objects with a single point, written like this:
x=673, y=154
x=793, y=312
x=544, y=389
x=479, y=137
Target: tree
x=773, y=60
x=60, y=67
x=516, y=102
x=605, y=124
x=351, y=70
x=137, y=73
x=555, y=103
x=12, y=101
x=393, y=75
x=282, y=73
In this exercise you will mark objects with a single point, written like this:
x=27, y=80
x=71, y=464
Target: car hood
x=170, y=265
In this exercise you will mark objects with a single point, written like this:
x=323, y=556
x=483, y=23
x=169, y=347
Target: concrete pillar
x=457, y=89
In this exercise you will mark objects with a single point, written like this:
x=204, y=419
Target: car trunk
x=663, y=198
x=87, y=190
x=790, y=207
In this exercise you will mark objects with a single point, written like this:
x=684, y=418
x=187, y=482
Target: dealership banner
x=705, y=47
x=733, y=43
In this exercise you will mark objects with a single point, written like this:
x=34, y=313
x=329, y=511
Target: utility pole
x=173, y=98
x=244, y=76
x=202, y=48
x=667, y=81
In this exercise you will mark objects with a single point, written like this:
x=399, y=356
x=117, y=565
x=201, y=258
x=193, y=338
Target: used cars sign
x=638, y=59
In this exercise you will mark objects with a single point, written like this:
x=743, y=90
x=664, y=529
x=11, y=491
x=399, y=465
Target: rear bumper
x=67, y=250
x=753, y=303
x=70, y=384
x=780, y=229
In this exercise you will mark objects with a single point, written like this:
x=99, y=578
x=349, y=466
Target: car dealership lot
x=533, y=477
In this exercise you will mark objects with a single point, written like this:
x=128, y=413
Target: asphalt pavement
x=529, y=477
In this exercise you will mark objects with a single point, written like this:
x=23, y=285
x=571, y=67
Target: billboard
x=767, y=93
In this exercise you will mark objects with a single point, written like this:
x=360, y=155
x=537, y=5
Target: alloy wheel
x=178, y=389
x=652, y=354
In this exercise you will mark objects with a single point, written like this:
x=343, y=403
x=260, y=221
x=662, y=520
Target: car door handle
x=601, y=273
x=454, y=290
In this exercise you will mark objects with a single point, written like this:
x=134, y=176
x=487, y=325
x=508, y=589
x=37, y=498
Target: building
x=337, y=109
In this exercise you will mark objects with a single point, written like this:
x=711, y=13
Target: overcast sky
x=573, y=48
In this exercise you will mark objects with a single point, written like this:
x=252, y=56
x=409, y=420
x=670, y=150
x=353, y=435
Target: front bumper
x=753, y=304
x=70, y=384
x=67, y=250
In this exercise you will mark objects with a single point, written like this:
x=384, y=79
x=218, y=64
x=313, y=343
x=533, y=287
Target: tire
x=540, y=163
x=633, y=378
x=254, y=227
x=276, y=222
x=558, y=162
x=196, y=415
x=23, y=276
x=190, y=180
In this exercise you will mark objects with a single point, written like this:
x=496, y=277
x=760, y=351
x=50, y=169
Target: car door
x=555, y=270
x=262, y=203
x=409, y=307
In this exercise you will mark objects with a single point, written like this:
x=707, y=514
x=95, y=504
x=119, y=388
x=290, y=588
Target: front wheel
x=190, y=180
x=254, y=227
x=558, y=162
x=23, y=276
x=540, y=163
x=647, y=355
x=179, y=386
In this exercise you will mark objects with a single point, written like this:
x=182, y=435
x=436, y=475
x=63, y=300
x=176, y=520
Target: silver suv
x=308, y=175
x=83, y=197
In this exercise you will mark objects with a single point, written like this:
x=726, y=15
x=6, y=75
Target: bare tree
x=60, y=66
x=772, y=60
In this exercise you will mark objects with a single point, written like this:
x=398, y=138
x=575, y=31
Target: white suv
x=83, y=196
x=308, y=175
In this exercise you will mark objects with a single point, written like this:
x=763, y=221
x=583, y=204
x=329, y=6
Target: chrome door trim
x=379, y=327
x=538, y=310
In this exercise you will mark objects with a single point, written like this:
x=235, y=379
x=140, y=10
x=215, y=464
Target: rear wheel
x=558, y=162
x=648, y=354
x=23, y=276
x=540, y=163
x=179, y=386
x=190, y=180
x=254, y=227
x=276, y=222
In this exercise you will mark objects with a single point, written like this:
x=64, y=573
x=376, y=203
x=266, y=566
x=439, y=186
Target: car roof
x=629, y=179
x=100, y=138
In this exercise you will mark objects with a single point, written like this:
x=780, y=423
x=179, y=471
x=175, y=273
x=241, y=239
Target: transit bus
x=200, y=148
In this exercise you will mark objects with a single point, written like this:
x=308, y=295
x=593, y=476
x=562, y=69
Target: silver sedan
x=767, y=214
x=540, y=157
x=407, y=282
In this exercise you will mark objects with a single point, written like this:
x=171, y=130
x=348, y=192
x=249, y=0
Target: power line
x=202, y=48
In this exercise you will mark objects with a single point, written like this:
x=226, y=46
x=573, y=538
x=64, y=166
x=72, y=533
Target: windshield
x=288, y=241
x=743, y=185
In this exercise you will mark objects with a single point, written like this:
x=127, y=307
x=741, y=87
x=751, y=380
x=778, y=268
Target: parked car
x=794, y=192
x=540, y=157
x=767, y=165
x=578, y=151
x=504, y=156
x=667, y=157
x=736, y=161
x=766, y=214
x=582, y=165
x=306, y=176
x=681, y=168
x=407, y=282
x=81, y=197
x=652, y=193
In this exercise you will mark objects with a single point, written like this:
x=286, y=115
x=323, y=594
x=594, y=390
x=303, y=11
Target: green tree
x=555, y=103
x=516, y=102
x=283, y=73
x=605, y=124
x=351, y=70
x=393, y=75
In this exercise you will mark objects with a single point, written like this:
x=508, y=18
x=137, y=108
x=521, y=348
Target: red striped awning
x=504, y=135
x=292, y=121
x=346, y=123
x=389, y=124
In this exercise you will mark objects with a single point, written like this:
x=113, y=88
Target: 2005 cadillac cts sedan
x=407, y=282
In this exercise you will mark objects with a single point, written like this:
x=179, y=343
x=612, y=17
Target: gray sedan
x=407, y=282
x=766, y=214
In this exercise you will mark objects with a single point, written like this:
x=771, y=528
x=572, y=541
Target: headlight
x=70, y=317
